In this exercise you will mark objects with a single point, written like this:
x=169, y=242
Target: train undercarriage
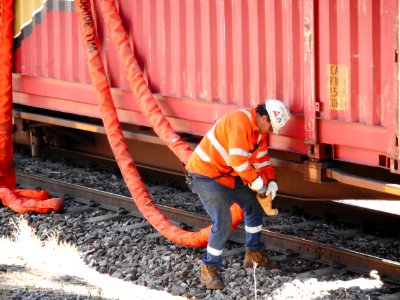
x=298, y=176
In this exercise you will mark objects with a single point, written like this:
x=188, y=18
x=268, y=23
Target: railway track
x=308, y=247
x=287, y=246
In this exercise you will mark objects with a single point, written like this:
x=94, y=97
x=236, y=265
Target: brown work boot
x=259, y=258
x=210, y=278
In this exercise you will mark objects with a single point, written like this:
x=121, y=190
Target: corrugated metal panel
x=356, y=71
x=237, y=52
x=51, y=46
x=357, y=36
x=231, y=52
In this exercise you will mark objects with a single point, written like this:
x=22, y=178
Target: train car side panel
x=332, y=62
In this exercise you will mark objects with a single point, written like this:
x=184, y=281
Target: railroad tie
x=347, y=232
x=234, y=252
x=107, y=217
x=78, y=210
x=317, y=273
x=395, y=296
x=133, y=226
x=153, y=235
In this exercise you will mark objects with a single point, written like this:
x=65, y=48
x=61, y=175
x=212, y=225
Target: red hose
x=117, y=142
x=20, y=201
x=7, y=174
x=143, y=93
x=24, y=201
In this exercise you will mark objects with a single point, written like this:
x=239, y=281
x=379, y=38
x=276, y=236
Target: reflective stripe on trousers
x=216, y=199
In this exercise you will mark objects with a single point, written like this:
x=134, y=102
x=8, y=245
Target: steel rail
x=351, y=260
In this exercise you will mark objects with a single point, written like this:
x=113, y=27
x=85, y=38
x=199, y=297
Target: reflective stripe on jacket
x=233, y=145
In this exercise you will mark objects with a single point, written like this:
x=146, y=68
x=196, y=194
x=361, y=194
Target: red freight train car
x=334, y=62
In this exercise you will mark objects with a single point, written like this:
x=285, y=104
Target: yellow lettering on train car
x=338, y=86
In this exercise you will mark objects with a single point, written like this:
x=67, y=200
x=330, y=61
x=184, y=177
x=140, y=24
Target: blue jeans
x=217, y=199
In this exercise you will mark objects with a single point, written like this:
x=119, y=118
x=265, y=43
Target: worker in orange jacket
x=231, y=164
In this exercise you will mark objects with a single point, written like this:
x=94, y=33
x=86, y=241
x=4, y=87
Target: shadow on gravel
x=75, y=280
x=9, y=292
x=11, y=268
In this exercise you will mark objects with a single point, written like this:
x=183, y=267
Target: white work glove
x=257, y=185
x=272, y=189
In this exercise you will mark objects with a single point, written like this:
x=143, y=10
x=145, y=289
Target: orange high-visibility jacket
x=233, y=147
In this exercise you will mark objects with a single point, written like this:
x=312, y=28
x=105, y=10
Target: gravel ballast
x=157, y=263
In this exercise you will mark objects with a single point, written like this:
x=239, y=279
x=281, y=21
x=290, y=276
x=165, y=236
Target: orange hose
x=149, y=106
x=117, y=141
x=7, y=174
x=20, y=201
x=143, y=93
x=25, y=201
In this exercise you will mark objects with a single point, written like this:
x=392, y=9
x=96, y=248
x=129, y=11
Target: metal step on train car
x=334, y=63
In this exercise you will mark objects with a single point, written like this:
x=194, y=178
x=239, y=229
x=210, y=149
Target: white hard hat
x=278, y=113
